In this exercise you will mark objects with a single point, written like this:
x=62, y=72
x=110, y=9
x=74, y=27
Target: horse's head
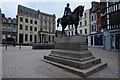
x=79, y=10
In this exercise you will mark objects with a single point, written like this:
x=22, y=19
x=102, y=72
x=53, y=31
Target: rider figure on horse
x=67, y=12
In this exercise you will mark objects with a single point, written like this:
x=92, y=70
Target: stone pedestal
x=72, y=53
x=71, y=43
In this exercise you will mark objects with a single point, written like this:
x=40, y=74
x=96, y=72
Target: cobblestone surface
x=26, y=63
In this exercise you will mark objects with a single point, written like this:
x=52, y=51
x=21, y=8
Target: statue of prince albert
x=70, y=18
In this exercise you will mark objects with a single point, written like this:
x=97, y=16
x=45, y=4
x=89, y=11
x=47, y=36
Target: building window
x=35, y=38
x=91, y=18
x=3, y=28
x=95, y=27
x=21, y=11
x=85, y=15
x=21, y=19
x=35, y=22
x=53, y=38
x=94, y=17
x=21, y=27
x=30, y=37
x=118, y=5
x=31, y=28
x=80, y=31
x=91, y=28
x=40, y=29
x=9, y=20
x=69, y=33
x=85, y=23
x=53, y=30
x=31, y=21
x=20, y=38
x=9, y=29
x=26, y=37
x=35, y=29
x=53, y=19
x=26, y=13
x=26, y=20
x=49, y=38
x=26, y=27
x=49, y=30
x=85, y=31
x=80, y=24
x=31, y=14
x=14, y=29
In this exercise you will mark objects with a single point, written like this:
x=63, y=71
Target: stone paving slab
x=26, y=63
x=106, y=56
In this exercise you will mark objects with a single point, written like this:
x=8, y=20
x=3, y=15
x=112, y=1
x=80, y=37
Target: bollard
x=6, y=45
x=13, y=44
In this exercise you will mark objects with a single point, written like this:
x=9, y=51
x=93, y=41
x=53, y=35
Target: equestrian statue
x=70, y=18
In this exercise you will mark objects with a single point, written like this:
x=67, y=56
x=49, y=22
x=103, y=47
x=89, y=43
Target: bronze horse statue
x=74, y=19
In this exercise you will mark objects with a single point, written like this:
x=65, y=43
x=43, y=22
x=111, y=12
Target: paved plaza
x=27, y=63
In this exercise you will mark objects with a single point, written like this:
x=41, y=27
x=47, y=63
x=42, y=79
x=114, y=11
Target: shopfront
x=112, y=40
x=96, y=40
x=115, y=40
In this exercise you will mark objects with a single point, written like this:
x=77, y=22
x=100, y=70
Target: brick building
x=96, y=33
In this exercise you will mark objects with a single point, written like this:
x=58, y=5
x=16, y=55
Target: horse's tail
x=58, y=21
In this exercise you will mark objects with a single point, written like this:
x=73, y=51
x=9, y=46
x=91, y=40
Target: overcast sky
x=9, y=7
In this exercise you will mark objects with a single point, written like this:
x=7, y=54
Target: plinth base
x=72, y=53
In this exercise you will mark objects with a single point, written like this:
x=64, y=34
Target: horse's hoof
x=77, y=34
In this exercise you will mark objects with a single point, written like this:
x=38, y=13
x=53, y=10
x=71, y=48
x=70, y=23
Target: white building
x=47, y=28
x=70, y=31
x=35, y=26
x=83, y=27
x=0, y=25
x=84, y=24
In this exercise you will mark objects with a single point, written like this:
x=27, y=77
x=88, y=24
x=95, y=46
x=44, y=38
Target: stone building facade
x=9, y=28
x=27, y=25
x=35, y=26
x=46, y=33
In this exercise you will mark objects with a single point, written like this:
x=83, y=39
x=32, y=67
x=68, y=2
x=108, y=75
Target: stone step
x=76, y=59
x=73, y=63
x=72, y=54
x=81, y=72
